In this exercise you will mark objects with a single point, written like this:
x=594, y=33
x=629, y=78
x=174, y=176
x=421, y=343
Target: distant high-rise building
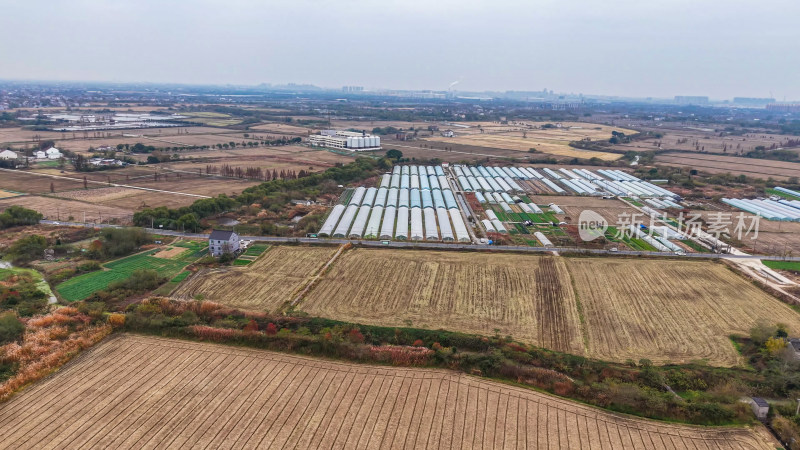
x=691, y=100
x=353, y=89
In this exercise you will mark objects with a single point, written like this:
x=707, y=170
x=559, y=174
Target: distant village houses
x=8, y=154
x=51, y=153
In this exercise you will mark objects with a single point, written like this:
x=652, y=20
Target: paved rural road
x=436, y=245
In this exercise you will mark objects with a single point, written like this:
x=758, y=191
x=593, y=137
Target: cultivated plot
x=264, y=285
x=670, y=311
x=528, y=297
x=145, y=392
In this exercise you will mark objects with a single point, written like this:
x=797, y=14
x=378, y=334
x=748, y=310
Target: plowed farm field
x=528, y=297
x=146, y=392
x=264, y=285
x=667, y=311
x=670, y=311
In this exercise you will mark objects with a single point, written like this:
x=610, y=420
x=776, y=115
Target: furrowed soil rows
x=528, y=297
x=670, y=311
x=263, y=285
x=146, y=392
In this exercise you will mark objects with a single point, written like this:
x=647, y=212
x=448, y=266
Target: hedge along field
x=527, y=297
x=146, y=392
x=85, y=285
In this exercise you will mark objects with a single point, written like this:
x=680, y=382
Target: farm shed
x=387, y=227
x=396, y=170
x=395, y=183
x=474, y=183
x=386, y=180
x=330, y=222
x=431, y=232
x=434, y=182
x=505, y=207
x=414, y=170
x=438, y=171
x=480, y=197
x=423, y=182
x=487, y=224
x=535, y=208
x=555, y=208
x=443, y=184
x=462, y=235
x=491, y=215
x=760, y=407
x=344, y=223
x=402, y=223
x=414, y=182
x=417, y=232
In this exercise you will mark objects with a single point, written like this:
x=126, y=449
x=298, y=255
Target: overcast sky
x=719, y=48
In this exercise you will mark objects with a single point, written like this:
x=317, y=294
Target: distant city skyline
x=627, y=48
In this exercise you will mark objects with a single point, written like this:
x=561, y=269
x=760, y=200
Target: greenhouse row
x=578, y=181
x=434, y=221
x=781, y=210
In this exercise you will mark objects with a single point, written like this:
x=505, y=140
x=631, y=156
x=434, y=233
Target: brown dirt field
x=169, y=252
x=751, y=167
x=523, y=136
x=528, y=297
x=264, y=285
x=670, y=311
x=62, y=209
x=710, y=139
x=610, y=209
x=142, y=392
x=283, y=129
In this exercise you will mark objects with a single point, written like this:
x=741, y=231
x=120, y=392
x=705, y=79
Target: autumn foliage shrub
x=400, y=355
x=49, y=341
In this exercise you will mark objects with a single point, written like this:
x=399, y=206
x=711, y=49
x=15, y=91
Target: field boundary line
x=301, y=295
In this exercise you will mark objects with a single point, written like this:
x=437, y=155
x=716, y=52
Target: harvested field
x=62, y=209
x=523, y=136
x=263, y=285
x=751, y=167
x=145, y=392
x=670, y=311
x=528, y=297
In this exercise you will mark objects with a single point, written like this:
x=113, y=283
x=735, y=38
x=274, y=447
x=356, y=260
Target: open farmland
x=670, y=311
x=62, y=209
x=522, y=137
x=167, y=265
x=666, y=311
x=263, y=285
x=146, y=392
x=528, y=297
x=751, y=167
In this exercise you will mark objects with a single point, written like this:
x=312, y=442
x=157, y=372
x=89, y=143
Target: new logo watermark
x=591, y=225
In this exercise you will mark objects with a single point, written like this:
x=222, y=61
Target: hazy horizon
x=721, y=49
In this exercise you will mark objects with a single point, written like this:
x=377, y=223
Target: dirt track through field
x=146, y=392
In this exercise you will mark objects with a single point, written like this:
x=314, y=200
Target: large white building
x=348, y=140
